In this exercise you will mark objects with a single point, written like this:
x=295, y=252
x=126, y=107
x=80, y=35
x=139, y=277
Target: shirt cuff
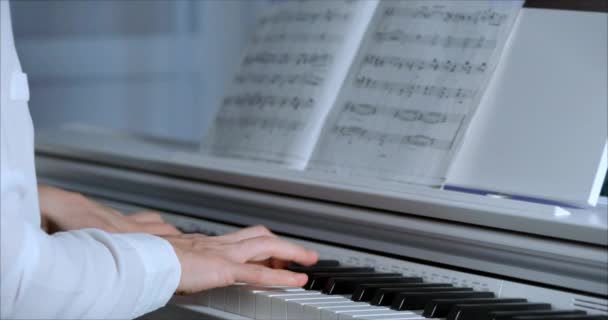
x=162, y=270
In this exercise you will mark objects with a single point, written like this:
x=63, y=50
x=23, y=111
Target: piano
x=490, y=259
x=387, y=255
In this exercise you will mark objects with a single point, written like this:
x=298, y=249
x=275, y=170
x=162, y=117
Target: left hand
x=62, y=211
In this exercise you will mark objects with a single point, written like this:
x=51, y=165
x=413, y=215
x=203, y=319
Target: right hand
x=242, y=256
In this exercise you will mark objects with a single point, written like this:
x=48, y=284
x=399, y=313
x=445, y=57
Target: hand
x=62, y=210
x=243, y=256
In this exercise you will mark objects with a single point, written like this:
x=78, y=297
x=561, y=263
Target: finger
x=272, y=263
x=262, y=248
x=146, y=217
x=256, y=274
x=246, y=233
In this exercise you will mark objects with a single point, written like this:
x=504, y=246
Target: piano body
x=406, y=253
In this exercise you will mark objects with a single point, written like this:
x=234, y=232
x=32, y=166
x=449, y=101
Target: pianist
x=102, y=264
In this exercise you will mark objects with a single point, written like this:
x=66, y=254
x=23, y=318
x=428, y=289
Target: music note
x=449, y=41
x=410, y=64
x=489, y=17
x=410, y=89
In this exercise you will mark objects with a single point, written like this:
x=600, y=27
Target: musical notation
x=439, y=13
x=260, y=101
x=297, y=38
x=400, y=36
x=410, y=89
x=409, y=64
x=280, y=79
x=260, y=123
x=382, y=138
x=407, y=115
x=318, y=60
x=311, y=17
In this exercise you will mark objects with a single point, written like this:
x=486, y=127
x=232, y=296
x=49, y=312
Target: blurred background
x=150, y=67
x=154, y=68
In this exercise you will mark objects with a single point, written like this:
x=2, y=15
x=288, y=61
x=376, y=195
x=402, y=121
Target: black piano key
x=348, y=285
x=320, y=263
x=385, y=297
x=417, y=301
x=569, y=317
x=482, y=311
x=366, y=292
x=439, y=308
x=509, y=315
x=317, y=281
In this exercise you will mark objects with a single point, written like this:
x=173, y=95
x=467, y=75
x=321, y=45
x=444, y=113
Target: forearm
x=83, y=274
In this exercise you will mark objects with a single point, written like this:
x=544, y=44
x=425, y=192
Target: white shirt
x=78, y=274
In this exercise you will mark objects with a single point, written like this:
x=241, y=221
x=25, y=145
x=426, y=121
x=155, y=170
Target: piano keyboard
x=337, y=292
x=358, y=285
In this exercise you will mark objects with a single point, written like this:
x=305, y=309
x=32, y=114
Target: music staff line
x=406, y=115
x=260, y=101
x=491, y=17
x=399, y=36
x=409, y=64
x=382, y=138
x=297, y=37
x=410, y=89
x=307, y=79
x=265, y=124
x=318, y=60
x=311, y=17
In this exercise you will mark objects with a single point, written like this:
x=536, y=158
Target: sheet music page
x=288, y=80
x=413, y=88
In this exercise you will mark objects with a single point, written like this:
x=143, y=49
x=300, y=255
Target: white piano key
x=202, y=298
x=263, y=301
x=295, y=311
x=313, y=312
x=329, y=314
x=232, y=304
x=390, y=315
x=247, y=297
x=279, y=304
x=217, y=298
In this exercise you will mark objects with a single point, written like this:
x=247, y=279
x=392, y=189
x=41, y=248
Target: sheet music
x=413, y=88
x=288, y=80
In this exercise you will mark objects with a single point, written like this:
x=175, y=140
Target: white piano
x=392, y=253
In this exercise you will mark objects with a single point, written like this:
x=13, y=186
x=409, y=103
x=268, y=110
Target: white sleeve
x=82, y=274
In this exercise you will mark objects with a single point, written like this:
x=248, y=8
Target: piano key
x=482, y=311
x=347, y=285
x=318, y=281
x=203, y=298
x=417, y=301
x=314, y=313
x=247, y=297
x=366, y=292
x=279, y=305
x=509, y=315
x=568, y=317
x=232, y=298
x=439, y=308
x=385, y=297
x=352, y=315
x=295, y=308
x=263, y=301
x=217, y=298
x=333, y=314
x=399, y=316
